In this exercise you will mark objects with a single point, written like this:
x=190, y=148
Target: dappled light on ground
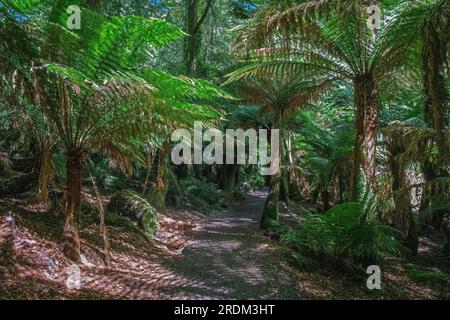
x=220, y=257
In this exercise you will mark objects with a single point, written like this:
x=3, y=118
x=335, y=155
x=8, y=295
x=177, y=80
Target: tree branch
x=204, y=15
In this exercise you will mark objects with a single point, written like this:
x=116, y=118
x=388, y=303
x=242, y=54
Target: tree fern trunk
x=434, y=55
x=435, y=92
x=402, y=218
x=71, y=238
x=358, y=93
x=371, y=117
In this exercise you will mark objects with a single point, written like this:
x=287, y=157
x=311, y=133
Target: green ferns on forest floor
x=342, y=237
x=197, y=193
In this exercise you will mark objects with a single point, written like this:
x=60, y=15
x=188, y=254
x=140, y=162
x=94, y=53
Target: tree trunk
x=402, y=219
x=271, y=208
x=325, y=197
x=434, y=56
x=102, y=225
x=71, y=239
x=45, y=172
x=358, y=96
x=435, y=92
x=284, y=188
x=159, y=192
x=193, y=40
x=367, y=108
x=228, y=177
x=371, y=117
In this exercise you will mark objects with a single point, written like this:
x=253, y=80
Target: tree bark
x=402, y=219
x=45, y=172
x=367, y=108
x=271, y=208
x=193, y=29
x=435, y=92
x=71, y=239
x=358, y=96
x=159, y=192
x=371, y=118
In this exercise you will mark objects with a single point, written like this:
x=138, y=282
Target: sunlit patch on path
x=234, y=261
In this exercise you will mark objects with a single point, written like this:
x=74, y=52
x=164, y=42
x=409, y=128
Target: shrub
x=17, y=184
x=428, y=276
x=342, y=237
x=134, y=207
x=251, y=180
x=197, y=193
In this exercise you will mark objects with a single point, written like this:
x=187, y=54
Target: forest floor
x=192, y=256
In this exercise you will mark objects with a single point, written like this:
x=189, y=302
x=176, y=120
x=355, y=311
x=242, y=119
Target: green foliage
x=341, y=238
x=427, y=276
x=250, y=180
x=105, y=174
x=16, y=184
x=200, y=194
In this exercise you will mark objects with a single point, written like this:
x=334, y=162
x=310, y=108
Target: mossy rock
x=17, y=184
x=130, y=205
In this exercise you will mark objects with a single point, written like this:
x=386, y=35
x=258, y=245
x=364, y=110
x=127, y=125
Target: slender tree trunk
x=228, y=177
x=193, y=38
x=285, y=175
x=149, y=163
x=71, y=239
x=45, y=172
x=284, y=188
x=193, y=29
x=102, y=225
x=271, y=208
x=159, y=193
x=325, y=197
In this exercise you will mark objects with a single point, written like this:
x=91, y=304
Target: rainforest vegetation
x=92, y=205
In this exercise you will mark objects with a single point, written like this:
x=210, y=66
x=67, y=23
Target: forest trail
x=229, y=258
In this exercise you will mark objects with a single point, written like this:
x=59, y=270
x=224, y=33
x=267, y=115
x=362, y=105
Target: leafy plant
x=198, y=193
x=341, y=237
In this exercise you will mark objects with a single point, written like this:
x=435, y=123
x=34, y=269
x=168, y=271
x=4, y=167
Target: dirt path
x=230, y=259
x=227, y=258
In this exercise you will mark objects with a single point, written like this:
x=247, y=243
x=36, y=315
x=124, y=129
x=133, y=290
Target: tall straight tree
x=195, y=17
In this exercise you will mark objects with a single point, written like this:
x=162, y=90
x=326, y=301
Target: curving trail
x=229, y=258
